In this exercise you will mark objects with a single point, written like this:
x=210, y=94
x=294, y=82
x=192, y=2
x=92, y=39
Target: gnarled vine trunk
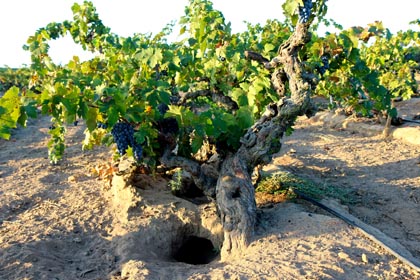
x=236, y=202
x=234, y=190
x=232, y=175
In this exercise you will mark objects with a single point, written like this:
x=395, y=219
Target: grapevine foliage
x=201, y=89
x=362, y=75
x=145, y=94
x=10, y=77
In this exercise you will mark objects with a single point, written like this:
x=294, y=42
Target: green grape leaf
x=192, y=42
x=196, y=142
x=393, y=112
x=91, y=118
x=269, y=47
x=245, y=117
x=113, y=116
x=164, y=97
x=23, y=117
x=289, y=9
x=49, y=63
x=145, y=135
x=82, y=109
x=10, y=112
x=239, y=95
x=182, y=30
x=183, y=115
x=5, y=131
x=156, y=58
x=31, y=110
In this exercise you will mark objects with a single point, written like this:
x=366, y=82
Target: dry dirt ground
x=63, y=222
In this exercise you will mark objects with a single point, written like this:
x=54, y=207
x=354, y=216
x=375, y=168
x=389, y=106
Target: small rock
x=71, y=179
x=343, y=256
x=364, y=258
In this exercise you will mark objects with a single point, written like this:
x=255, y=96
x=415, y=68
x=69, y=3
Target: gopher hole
x=196, y=250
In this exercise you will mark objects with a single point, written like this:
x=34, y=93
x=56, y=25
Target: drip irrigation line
x=369, y=231
x=411, y=121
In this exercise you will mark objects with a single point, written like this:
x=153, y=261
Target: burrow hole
x=196, y=250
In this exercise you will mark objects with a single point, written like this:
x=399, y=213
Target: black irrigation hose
x=326, y=208
x=400, y=121
x=408, y=260
x=411, y=121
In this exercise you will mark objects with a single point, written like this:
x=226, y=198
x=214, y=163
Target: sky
x=19, y=19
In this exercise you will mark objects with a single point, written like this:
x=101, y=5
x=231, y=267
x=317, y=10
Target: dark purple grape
x=305, y=11
x=162, y=108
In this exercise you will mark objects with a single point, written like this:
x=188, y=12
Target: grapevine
x=214, y=103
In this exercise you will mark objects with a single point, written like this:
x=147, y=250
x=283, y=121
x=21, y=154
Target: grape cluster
x=325, y=65
x=123, y=134
x=305, y=11
x=162, y=108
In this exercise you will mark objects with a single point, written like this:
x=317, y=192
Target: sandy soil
x=63, y=222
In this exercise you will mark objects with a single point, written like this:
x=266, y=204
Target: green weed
x=284, y=183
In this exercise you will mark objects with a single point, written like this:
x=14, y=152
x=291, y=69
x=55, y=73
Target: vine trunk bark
x=236, y=202
x=234, y=190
